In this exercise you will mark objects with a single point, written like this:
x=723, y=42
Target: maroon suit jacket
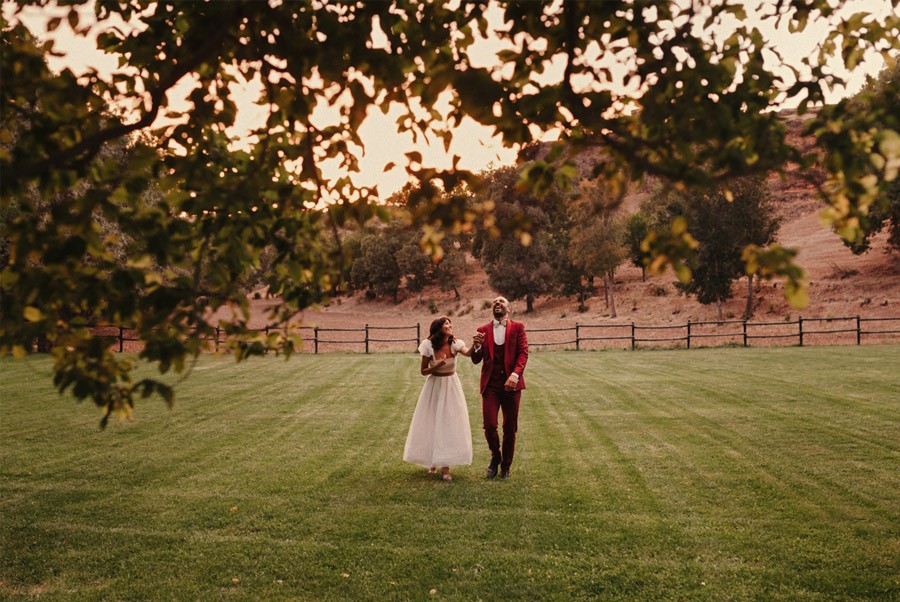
x=515, y=352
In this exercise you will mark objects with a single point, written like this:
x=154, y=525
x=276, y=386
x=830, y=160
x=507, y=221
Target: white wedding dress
x=439, y=434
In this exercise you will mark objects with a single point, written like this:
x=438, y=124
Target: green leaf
x=33, y=314
x=797, y=294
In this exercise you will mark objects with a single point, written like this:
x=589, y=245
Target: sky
x=477, y=147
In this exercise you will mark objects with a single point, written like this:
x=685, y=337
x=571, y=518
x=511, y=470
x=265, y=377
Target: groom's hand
x=511, y=383
x=478, y=339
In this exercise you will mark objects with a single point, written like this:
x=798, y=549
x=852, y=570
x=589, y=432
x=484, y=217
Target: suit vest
x=498, y=370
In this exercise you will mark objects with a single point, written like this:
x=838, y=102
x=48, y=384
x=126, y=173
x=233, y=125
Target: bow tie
x=501, y=323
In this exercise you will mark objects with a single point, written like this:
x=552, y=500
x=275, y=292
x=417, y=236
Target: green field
x=714, y=474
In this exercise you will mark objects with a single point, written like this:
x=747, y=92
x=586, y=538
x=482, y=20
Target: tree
x=446, y=244
x=414, y=265
x=518, y=271
x=756, y=223
x=598, y=233
x=570, y=278
x=377, y=268
x=517, y=263
x=862, y=111
x=351, y=249
x=448, y=271
x=637, y=228
x=717, y=261
x=723, y=228
x=598, y=250
x=693, y=107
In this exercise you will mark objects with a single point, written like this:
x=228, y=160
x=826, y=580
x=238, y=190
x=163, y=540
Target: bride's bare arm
x=427, y=369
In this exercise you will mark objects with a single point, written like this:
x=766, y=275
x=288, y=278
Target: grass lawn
x=711, y=474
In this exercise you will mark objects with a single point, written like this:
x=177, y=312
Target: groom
x=503, y=346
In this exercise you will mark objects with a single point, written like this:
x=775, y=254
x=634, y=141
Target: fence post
x=632, y=336
x=367, y=338
x=689, y=334
x=316, y=339
x=267, y=339
x=217, y=338
x=121, y=339
x=418, y=334
x=745, y=333
x=858, y=331
x=577, y=341
x=800, y=331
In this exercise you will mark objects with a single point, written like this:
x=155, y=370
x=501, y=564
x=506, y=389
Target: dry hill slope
x=840, y=283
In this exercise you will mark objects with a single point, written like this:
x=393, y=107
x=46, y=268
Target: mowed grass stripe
x=802, y=434
x=644, y=421
x=719, y=441
x=832, y=430
x=785, y=397
x=627, y=414
x=578, y=447
x=625, y=504
x=709, y=474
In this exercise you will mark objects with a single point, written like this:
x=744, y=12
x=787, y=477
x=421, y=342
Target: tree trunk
x=529, y=304
x=719, y=310
x=581, y=306
x=748, y=311
x=610, y=287
x=456, y=292
x=643, y=274
x=606, y=289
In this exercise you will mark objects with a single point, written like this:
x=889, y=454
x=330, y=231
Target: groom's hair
x=436, y=334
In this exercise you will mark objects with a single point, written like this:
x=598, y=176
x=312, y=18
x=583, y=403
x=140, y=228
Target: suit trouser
x=494, y=400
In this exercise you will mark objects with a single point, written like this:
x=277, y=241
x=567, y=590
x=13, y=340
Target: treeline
x=570, y=243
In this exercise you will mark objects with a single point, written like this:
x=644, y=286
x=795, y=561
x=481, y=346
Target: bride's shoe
x=446, y=474
x=432, y=470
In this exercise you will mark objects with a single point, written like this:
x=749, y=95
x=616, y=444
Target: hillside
x=840, y=283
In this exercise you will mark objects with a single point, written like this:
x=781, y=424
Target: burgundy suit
x=494, y=398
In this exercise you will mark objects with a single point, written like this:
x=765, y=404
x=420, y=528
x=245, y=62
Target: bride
x=439, y=434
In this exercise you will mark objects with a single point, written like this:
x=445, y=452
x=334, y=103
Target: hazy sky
x=476, y=145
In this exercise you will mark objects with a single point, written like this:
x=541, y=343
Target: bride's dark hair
x=436, y=334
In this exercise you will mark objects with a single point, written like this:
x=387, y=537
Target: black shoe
x=491, y=471
x=504, y=474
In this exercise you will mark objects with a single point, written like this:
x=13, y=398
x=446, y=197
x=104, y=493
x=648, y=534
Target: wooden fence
x=802, y=331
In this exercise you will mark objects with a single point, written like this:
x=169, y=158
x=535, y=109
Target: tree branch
x=84, y=152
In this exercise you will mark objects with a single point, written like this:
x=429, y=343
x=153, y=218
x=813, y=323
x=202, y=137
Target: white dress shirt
x=499, y=332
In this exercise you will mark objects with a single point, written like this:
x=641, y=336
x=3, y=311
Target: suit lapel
x=489, y=341
x=507, y=357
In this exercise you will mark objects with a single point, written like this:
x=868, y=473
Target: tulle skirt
x=439, y=434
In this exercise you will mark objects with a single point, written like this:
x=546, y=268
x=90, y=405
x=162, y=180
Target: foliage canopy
x=682, y=91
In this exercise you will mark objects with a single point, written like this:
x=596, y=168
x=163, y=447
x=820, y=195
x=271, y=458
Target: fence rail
x=803, y=331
